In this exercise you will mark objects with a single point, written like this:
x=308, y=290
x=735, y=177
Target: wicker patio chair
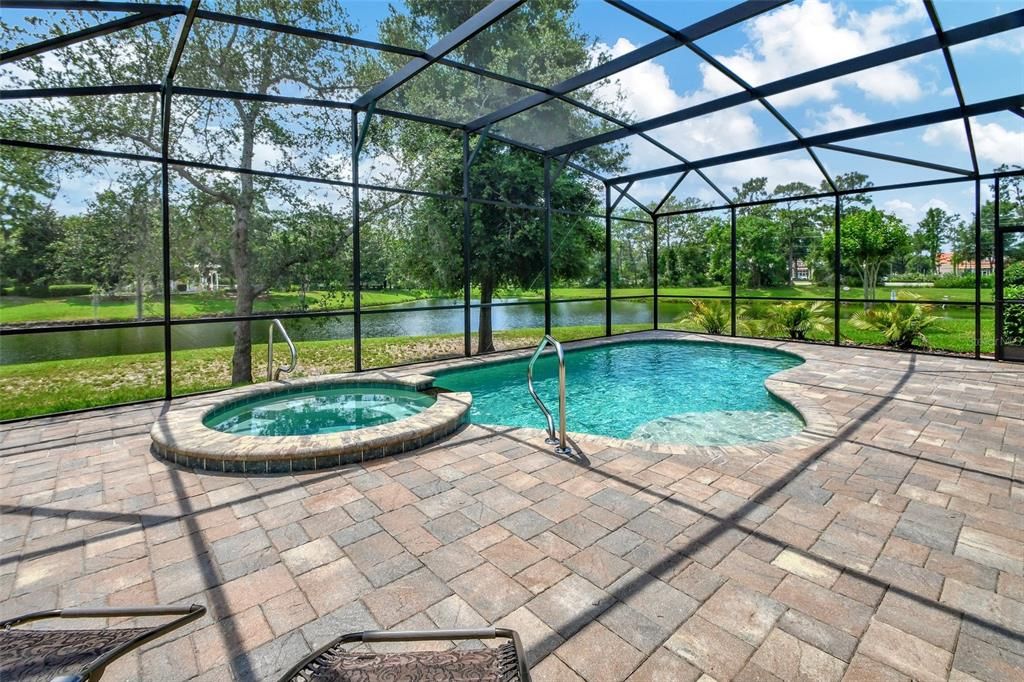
x=332, y=663
x=79, y=655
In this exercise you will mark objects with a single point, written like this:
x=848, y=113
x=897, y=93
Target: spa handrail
x=563, y=448
x=273, y=374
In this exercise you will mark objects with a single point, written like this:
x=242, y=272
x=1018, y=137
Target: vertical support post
x=547, y=244
x=607, y=259
x=173, y=60
x=837, y=266
x=977, y=268
x=357, y=326
x=654, y=265
x=998, y=270
x=467, y=320
x=732, y=271
x=165, y=215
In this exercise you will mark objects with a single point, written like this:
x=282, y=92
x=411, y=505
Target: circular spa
x=306, y=424
x=318, y=409
x=660, y=392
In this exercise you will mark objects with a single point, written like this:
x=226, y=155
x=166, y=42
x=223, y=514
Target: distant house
x=944, y=264
x=801, y=271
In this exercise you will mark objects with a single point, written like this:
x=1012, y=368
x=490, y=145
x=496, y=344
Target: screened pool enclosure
x=434, y=179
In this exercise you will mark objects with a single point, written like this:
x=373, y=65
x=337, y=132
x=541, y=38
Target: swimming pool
x=316, y=410
x=690, y=392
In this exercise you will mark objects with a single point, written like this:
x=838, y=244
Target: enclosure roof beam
x=668, y=194
x=66, y=40
x=365, y=127
x=734, y=15
x=915, y=121
x=623, y=192
x=898, y=159
x=479, y=146
x=95, y=6
x=561, y=166
x=914, y=48
x=725, y=71
x=82, y=91
x=933, y=16
x=174, y=58
x=633, y=200
x=477, y=23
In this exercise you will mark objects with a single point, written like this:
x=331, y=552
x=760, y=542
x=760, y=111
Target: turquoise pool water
x=318, y=410
x=665, y=392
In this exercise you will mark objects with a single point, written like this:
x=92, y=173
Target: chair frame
x=94, y=670
x=371, y=636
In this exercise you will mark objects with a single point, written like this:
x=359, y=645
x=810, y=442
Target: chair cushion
x=454, y=665
x=41, y=655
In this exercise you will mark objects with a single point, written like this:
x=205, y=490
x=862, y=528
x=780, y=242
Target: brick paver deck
x=890, y=548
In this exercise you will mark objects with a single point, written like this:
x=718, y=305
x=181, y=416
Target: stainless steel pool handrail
x=273, y=374
x=563, y=448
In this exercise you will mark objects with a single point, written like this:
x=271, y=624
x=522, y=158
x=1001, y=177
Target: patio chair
x=79, y=655
x=333, y=663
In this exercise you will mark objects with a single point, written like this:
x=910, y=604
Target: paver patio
x=891, y=547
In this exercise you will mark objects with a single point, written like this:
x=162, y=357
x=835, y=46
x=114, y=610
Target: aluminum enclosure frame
x=615, y=188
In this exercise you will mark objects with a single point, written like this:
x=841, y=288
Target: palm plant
x=902, y=324
x=711, y=316
x=797, y=320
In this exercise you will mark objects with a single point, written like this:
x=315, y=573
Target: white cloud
x=911, y=213
x=992, y=142
x=836, y=118
x=645, y=88
x=814, y=33
x=778, y=170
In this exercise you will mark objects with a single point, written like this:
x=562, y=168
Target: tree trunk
x=241, y=358
x=869, y=272
x=485, y=334
x=138, y=295
x=245, y=297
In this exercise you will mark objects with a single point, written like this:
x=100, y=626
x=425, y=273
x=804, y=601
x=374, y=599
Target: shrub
x=911, y=277
x=796, y=320
x=62, y=290
x=182, y=287
x=902, y=324
x=1013, y=275
x=1013, y=316
x=36, y=290
x=713, y=317
x=964, y=280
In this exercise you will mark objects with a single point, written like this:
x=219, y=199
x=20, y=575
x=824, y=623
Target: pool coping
x=818, y=422
x=180, y=436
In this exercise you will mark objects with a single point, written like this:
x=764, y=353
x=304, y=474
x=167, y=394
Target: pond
x=407, y=319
